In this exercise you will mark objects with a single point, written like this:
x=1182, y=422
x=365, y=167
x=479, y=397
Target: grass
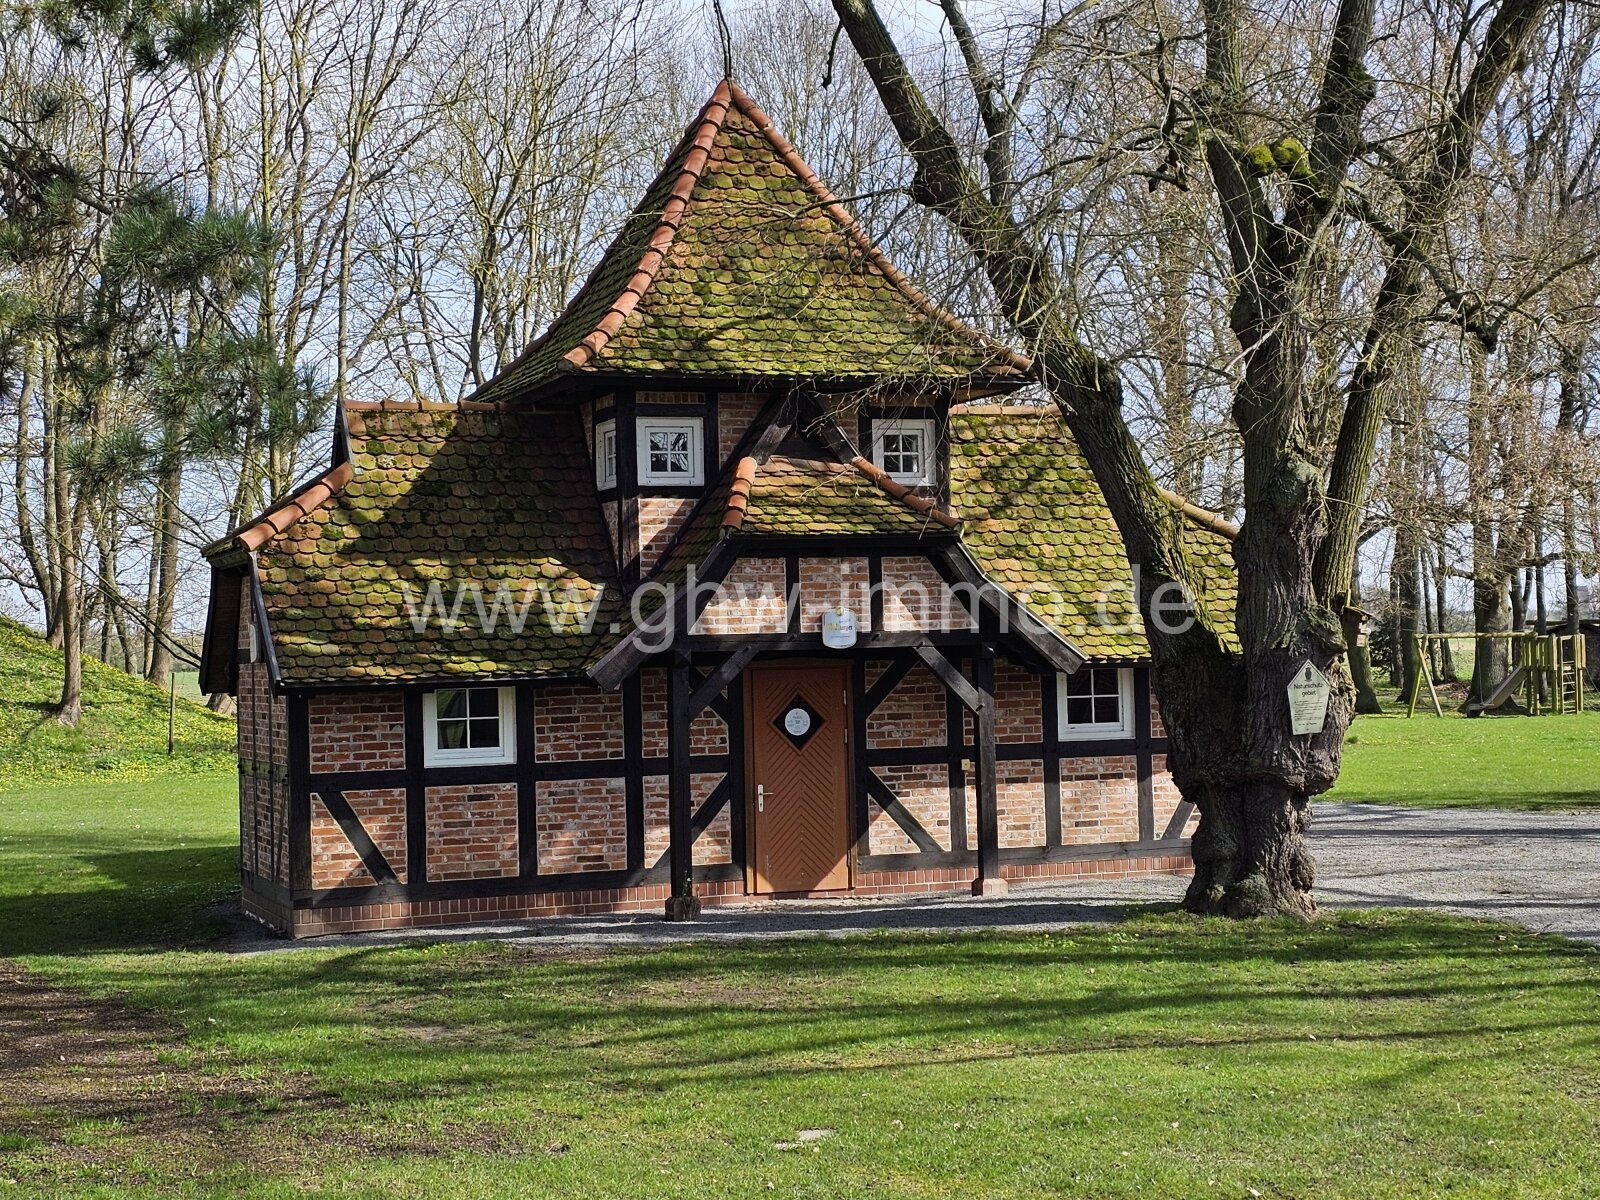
x=1374, y=1056
x=1371, y=1055
x=1380, y=1054
x=123, y=733
x=96, y=865
x=1512, y=762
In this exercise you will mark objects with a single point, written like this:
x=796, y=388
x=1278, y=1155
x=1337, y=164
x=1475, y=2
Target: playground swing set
x=1548, y=667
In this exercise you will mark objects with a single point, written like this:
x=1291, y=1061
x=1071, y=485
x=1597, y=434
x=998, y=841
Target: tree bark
x=169, y=487
x=1231, y=748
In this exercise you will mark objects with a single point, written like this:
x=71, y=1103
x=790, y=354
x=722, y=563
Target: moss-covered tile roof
x=804, y=496
x=1035, y=521
x=739, y=263
x=447, y=496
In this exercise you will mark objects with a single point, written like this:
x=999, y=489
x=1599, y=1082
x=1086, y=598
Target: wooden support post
x=988, y=882
x=682, y=903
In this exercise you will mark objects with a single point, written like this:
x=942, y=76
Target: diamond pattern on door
x=798, y=722
x=799, y=774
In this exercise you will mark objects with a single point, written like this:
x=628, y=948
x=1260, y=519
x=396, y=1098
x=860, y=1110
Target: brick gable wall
x=262, y=739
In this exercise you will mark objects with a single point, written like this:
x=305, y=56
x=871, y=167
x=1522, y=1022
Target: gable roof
x=739, y=263
x=437, y=495
x=1035, y=521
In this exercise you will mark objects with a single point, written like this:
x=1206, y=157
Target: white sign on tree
x=1308, y=699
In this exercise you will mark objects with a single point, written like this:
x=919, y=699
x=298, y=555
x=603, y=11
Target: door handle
x=761, y=797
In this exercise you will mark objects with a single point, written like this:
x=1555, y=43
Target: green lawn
x=1373, y=1055
x=97, y=865
x=1366, y=1056
x=123, y=734
x=1485, y=762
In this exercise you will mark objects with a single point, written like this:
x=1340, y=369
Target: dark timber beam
x=978, y=697
x=682, y=903
x=949, y=676
x=988, y=882
x=717, y=682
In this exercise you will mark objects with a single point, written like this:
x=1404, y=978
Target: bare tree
x=1281, y=161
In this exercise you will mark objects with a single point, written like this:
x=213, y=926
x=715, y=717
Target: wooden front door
x=799, y=776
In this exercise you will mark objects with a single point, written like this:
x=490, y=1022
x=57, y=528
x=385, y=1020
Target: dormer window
x=904, y=450
x=671, y=451
x=605, y=455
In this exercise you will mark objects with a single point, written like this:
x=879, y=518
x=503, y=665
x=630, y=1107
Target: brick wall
x=1167, y=798
x=1018, y=717
x=648, y=898
x=911, y=715
x=262, y=743
x=1099, y=799
x=829, y=583
x=582, y=825
x=708, y=733
x=736, y=412
x=334, y=861
x=915, y=597
x=363, y=731
x=609, y=510
x=660, y=519
x=713, y=846
x=263, y=826
x=1019, y=801
x=750, y=599
x=472, y=831
x=574, y=723
x=924, y=790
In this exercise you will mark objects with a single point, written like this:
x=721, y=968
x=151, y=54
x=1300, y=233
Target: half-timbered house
x=751, y=576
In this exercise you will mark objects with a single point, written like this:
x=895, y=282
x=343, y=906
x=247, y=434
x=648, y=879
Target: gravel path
x=1538, y=869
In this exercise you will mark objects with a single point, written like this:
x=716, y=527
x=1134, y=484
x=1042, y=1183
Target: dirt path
x=72, y=1066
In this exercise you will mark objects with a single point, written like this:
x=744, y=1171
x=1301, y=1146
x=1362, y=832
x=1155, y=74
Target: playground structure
x=1547, y=667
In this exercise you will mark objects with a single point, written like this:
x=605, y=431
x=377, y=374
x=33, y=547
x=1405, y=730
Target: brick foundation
x=651, y=897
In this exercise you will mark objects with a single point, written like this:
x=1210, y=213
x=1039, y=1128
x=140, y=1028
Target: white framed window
x=1095, y=702
x=672, y=451
x=469, y=726
x=904, y=450
x=605, y=455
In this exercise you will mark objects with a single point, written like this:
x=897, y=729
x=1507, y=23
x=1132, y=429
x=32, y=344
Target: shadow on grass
x=494, y=1022
x=133, y=900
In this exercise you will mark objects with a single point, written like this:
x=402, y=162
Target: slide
x=1506, y=688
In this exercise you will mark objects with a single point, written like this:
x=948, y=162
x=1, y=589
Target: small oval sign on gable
x=838, y=629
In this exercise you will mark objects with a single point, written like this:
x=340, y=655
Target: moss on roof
x=448, y=497
x=739, y=263
x=801, y=496
x=1036, y=522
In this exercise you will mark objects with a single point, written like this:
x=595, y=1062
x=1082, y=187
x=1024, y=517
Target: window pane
x=485, y=702
x=450, y=702
x=453, y=734
x=1080, y=710
x=669, y=452
x=1105, y=710
x=1078, y=683
x=485, y=734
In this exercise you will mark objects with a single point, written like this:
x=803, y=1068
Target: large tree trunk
x=1490, y=614
x=1360, y=660
x=169, y=487
x=69, y=709
x=1441, y=622
x=1231, y=748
